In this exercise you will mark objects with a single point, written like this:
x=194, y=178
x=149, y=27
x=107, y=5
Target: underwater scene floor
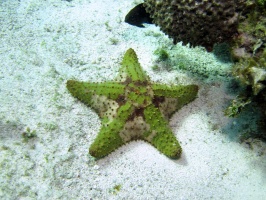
x=45, y=133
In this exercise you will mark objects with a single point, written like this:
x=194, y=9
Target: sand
x=45, y=43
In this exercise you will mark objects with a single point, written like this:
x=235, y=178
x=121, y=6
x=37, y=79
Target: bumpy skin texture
x=198, y=22
x=132, y=107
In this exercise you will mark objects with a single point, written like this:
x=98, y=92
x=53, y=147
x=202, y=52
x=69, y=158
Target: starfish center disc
x=139, y=94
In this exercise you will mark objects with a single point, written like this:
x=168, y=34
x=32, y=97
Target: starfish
x=132, y=107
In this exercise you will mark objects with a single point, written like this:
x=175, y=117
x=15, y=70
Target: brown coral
x=198, y=22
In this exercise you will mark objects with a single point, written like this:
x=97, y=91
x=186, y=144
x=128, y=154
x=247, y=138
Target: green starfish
x=131, y=107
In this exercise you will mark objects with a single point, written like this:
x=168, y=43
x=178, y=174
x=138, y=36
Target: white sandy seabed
x=45, y=43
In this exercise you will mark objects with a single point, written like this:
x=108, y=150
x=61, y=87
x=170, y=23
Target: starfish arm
x=85, y=90
x=108, y=138
x=131, y=68
x=102, y=97
x=160, y=134
x=171, y=98
x=189, y=92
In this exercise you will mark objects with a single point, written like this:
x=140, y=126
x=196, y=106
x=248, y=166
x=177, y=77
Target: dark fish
x=137, y=16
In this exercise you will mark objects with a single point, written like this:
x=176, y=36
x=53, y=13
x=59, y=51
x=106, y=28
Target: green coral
x=132, y=107
x=252, y=72
x=116, y=189
x=162, y=54
x=249, y=50
x=261, y=3
x=237, y=106
x=28, y=134
x=251, y=37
